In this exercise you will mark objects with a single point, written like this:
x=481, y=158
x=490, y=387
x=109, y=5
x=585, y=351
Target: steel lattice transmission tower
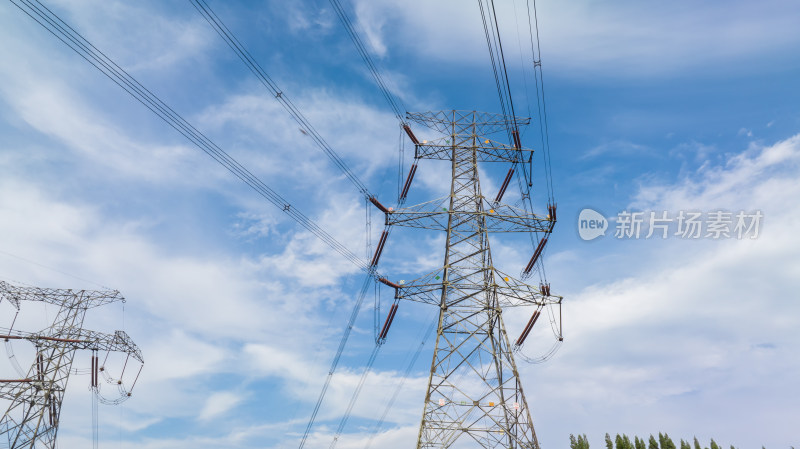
x=31, y=420
x=474, y=391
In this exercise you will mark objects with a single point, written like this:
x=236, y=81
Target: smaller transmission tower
x=31, y=420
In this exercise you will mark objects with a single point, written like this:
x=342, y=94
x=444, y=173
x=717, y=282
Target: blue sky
x=652, y=107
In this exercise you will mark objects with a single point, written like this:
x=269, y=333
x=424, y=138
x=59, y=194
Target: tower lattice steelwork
x=31, y=420
x=474, y=391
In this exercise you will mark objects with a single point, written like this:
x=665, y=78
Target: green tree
x=573, y=443
x=697, y=444
x=618, y=441
x=714, y=444
x=639, y=443
x=627, y=442
x=609, y=443
x=666, y=441
x=652, y=444
x=583, y=442
x=685, y=445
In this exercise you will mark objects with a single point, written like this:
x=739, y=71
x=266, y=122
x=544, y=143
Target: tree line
x=624, y=442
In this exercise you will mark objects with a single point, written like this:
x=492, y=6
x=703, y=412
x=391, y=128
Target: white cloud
x=709, y=321
x=700, y=326
x=218, y=404
x=134, y=34
x=619, y=147
x=589, y=38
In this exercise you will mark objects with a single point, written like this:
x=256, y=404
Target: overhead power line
x=395, y=103
x=536, y=56
x=61, y=30
x=66, y=34
x=244, y=55
x=235, y=44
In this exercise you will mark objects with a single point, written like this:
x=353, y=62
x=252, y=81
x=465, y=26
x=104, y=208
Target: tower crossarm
x=509, y=291
x=496, y=217
x=86, y=299
x=486, y=151
x=76, y=339
x=466, y=122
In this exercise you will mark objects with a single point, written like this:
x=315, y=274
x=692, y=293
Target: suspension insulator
x=388, y=323
x=551, y=209
x=379, y=249
x=536, y=255
x=544, y=289
x=528, y=328
x=504, y=186
x=408, y=181
x=377, y=204
x=40, y=366
x=411, y=134
x=388, y=282
x=517, y=141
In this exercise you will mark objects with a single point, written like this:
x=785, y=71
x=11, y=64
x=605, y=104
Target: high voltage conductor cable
x=305, y=126
x=86, y=50
x=56, y=26
x=32, y=262
x=499, y=69
x=498, y=82
x=353, y=398
x=541, y=105
x=395, y=103
x=505, y=70
x=398, y=108
x=342, y=343
x=61, y=30
x=380, y=338
x=400, y=385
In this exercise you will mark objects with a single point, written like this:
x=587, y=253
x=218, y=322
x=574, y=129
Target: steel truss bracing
x=31, y=420
x=474, y=392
